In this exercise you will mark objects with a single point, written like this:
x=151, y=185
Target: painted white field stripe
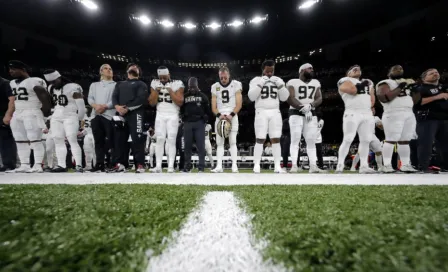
x=216, y=237
x=223, y=179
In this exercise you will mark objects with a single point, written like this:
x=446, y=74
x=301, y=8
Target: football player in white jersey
x=375, y=146
x=208, y=145
x=69, y=110
x=359, y=99
x=88, y=144
x=305, y=96
x=267, y=91
x=168, y=95
x=398, y=118
x=27, y=123
x=227, y=101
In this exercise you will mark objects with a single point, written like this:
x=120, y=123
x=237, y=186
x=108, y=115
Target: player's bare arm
x=317, y=98
x=348, y=87
x=45, y=98
x=292, y=101
x=177, y=97
x=372, y=97
x=239, y=101
x=214, y=105
x=11, y=108
x=153, y=97
x=384, y=93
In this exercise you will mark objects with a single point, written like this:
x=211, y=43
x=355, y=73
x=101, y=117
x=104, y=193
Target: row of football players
x=303, y=95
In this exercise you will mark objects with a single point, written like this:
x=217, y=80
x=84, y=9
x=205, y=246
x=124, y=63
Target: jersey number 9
x=20, y=94
x=225, y=96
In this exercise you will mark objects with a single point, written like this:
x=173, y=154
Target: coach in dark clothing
x=194, y=112
x=129, y=99
x=8, y=149
x=431, y=108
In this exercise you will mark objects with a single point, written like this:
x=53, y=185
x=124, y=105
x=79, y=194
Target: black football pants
x=102, y=130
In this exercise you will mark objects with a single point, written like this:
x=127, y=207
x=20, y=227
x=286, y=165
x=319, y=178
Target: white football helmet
x=224, y=128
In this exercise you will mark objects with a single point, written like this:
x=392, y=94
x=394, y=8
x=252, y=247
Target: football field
x=223, y=222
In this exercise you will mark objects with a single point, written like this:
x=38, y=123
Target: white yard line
x=216, y=237
x=224, y=179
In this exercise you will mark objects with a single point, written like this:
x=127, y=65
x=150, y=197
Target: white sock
x=61, y=152
x=404, y=151
x=258, y=152
x=234, y=154
x=277, y=153
x=219, y=154
x=312, y=155
x=76, y=150
x=388, y=150
x=210, y=158
x=160, y=146
x=364, y=154
x=294, y=151
x=171, y=152
x=24, y=151
x=343, y=151
x=38, y=151
x=379, y=160
x=355, y=161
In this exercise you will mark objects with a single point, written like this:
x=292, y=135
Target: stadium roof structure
x=178, y=28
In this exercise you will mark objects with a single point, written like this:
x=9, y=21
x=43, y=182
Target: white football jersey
x=269, y=96
x=63, y=100
x=359, y=102
x=208, y=128
x=165, y=104
x=402, y=102
x=88, y=124
x=26, y=97
x=304, y=92
x=226, y=96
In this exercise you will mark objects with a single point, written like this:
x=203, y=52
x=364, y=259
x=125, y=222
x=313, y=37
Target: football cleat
x=408, y=169
x=217, y=170
x=388, y=169
x=366, y=170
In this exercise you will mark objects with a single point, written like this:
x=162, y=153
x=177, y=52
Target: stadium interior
x=324, y=228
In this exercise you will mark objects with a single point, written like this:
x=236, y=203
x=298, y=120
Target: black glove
x=361, y=87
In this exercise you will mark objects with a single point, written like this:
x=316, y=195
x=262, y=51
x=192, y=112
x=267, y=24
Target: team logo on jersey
x=218, y=89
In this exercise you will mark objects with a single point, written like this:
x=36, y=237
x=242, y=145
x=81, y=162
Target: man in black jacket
x=195, y=115
x=129, y=98
x=431, y=109
x=8, y=149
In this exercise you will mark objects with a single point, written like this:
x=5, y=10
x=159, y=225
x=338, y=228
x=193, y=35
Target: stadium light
x=258, y=19
x=213, y=25
x=236, y=23
x=144, y=19
x=167, y=23
x=89, y=4
x=308, y=4
x=188, y=25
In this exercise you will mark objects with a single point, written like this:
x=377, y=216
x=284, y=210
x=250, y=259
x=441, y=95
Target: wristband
x=232, y=114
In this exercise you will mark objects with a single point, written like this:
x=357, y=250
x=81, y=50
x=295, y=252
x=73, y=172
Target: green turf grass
x=88, y=228
x=352, y=228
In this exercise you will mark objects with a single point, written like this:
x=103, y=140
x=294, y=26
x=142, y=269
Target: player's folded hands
x=306, y=108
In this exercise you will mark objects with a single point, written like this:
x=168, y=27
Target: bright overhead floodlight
x=167, y=23
x=213, y=25
x=258, y=19
x=188, y=25
x=308, y=4
x=236, y=23
x=145, y=20
x=89, y=4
